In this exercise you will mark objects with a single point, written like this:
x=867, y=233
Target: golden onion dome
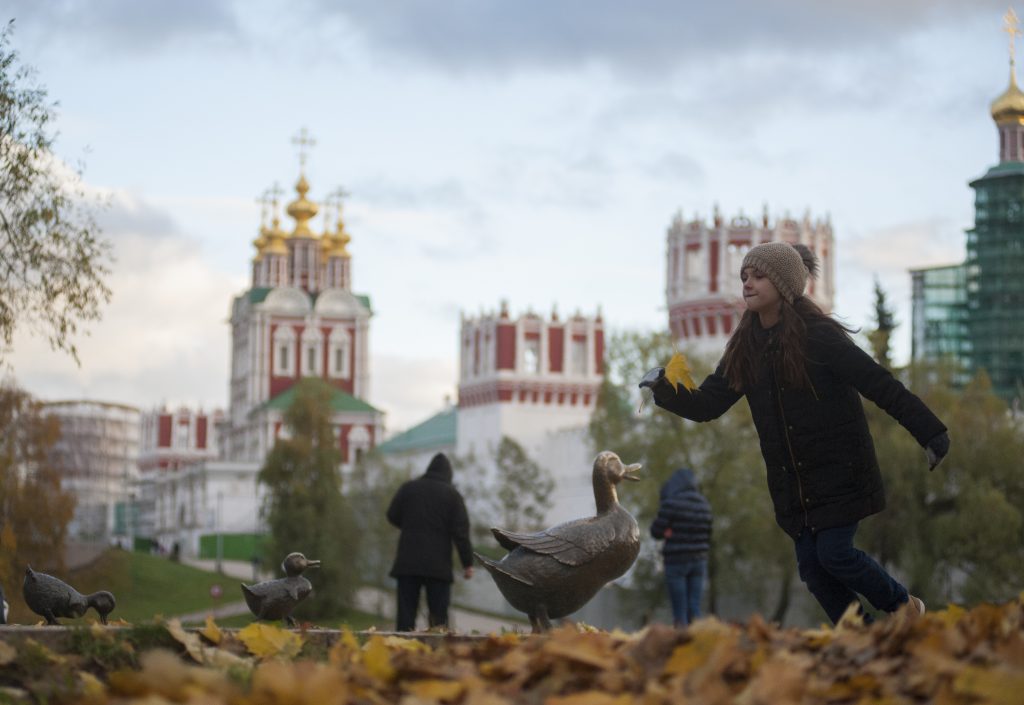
x=302, y=210
x=276, y=239
x=261, y=243
x=1009, y=107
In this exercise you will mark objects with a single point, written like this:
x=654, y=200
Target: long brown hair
x=740, y=360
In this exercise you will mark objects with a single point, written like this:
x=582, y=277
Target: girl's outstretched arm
x=705, y=403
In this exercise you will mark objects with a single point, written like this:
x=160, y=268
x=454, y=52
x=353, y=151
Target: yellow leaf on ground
x=343, y=649
x=267, y=641
x=92, y=686
x=435, y=689
x=678, y=371
x=211, y=631
x=377, y=659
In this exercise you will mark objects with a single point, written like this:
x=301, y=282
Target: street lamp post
x=220, y=532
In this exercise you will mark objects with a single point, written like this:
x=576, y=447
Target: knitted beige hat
x=786, y=266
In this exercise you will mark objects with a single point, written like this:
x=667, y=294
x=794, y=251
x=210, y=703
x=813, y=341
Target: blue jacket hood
x=682, y=480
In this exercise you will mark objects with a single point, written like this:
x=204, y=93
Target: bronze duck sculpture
x=4, y=607
x=553, y=573
x=50, y=597
x=275, y=599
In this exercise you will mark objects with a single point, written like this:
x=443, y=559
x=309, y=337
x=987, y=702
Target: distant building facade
x=96, y=455
x=298, y=319
x=703, y=293
x=989, y=333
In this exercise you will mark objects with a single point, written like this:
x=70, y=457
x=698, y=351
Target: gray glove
x=652, y=378
x=935, y=450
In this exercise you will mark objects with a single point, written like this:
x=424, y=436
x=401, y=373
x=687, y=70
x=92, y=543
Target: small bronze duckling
x=553, y=573
x=50, y=597
x=275, y=599
x=4, y=607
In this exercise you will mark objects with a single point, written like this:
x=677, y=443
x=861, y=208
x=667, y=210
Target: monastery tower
x=300, y=319
x=703, y=267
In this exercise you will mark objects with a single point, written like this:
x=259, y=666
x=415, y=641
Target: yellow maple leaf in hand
x=678, y=370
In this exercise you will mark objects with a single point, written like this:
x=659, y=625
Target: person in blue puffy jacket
x=684, y=522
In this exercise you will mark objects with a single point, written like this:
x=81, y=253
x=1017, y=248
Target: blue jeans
x=685, y=582
x=835, y=572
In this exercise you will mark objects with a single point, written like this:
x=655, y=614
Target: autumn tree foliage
x=52, y=257
x=505, y=488
x=955, y=534
x=304, y=507
x=34, y=510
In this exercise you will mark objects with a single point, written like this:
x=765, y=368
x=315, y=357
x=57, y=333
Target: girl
x=803, y=377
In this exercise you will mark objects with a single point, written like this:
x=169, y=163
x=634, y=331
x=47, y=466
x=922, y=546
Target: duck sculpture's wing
x=572, y=543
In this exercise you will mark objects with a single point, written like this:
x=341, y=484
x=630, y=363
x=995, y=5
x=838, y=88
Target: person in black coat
x=431, y=515
x=684, y=522
x=803, y=377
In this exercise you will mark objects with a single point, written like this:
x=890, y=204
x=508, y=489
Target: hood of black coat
x=440, y=468
x=682, y=479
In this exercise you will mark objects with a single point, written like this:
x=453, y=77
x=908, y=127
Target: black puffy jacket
x=432, y=516
x=820, y=459
x=683, y=520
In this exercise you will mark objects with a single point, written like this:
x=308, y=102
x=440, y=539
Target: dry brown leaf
x=435, y=689
x=7, y=653
x=589, y=697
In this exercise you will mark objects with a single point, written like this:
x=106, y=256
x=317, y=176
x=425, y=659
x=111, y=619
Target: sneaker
x=915, y=606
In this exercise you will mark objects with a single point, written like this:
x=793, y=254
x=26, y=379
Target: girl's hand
x=936, y=450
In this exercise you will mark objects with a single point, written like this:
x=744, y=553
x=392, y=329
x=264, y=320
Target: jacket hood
x=440, y=468
x=682, y=479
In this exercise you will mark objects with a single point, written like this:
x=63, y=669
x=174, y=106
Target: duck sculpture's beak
x=628, y=472
x=312, y=564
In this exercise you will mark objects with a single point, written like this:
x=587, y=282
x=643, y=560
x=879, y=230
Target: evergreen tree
x=885, y=324
x=304, y=507
x=52, y=258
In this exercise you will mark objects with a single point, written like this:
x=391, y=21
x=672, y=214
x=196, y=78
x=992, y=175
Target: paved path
x=368, y=599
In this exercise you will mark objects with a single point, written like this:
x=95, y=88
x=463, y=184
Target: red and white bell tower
x=526, y=377
x=703, y=272
x=299, y=319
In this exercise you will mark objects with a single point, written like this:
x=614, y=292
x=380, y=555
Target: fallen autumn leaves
x=952, y=656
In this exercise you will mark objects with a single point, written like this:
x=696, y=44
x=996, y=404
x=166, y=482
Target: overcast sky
x=529, y=151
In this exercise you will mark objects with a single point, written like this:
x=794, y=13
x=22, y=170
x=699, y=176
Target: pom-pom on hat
x=786, y=266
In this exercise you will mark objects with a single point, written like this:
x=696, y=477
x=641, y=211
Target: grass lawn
x=148, y=586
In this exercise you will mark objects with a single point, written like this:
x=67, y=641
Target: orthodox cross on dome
x=333, y=200
x=274, y=193
x=264, y=200
x=303, y=141
x=1011, y=25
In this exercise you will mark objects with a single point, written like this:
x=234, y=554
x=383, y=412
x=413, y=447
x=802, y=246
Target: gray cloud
x=127, y=216
x=125, y=25
x=467, y=35
x=676, y=167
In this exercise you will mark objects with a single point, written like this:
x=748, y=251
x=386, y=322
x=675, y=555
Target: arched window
x=339, y=354
x=284, y=346
x=358, y=443
x=312, y=346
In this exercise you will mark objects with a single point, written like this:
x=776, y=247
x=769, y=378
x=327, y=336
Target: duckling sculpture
x=275, y=599
x=4, y=607
x=553, y=573
x=50, y=597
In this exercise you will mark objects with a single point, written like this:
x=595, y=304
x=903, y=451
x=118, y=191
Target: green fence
x=234, y=547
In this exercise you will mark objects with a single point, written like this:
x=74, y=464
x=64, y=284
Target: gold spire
x=1009, y=107
x=275, y=235
x=301, y=209
x=334, y=243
